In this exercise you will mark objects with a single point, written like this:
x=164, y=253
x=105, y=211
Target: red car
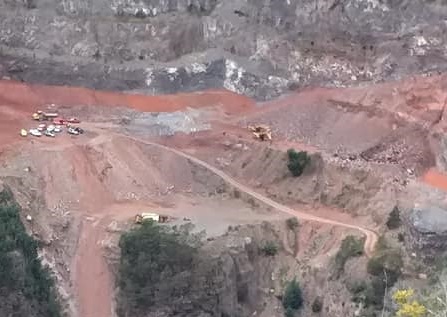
x=59, y=121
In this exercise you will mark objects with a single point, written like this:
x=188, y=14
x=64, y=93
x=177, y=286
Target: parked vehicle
x=73, y=120
x=73, y=131
x=35, y=132
x=59, y=121
x=50, y=134
x=150, y=216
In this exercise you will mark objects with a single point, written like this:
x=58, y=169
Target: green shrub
x=385, y=268
x=358, y=290
x=151, y=254
x=317, y=305
x=297, y=162
x=292, y=223
x=358, y=287
x=389, y=262
x=394, y=221
x=369, y=294
x=289, y=312
x=374, y=292
x=270, y=248
x=350, y=247
x=293, y=298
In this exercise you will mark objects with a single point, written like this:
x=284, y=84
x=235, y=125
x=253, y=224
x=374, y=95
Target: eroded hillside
x=355, y=87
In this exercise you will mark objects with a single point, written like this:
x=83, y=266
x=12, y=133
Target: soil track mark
x=370, y=235
x=92, y=277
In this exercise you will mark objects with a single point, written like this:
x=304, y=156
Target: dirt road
x=92, y=277
x=371, y=236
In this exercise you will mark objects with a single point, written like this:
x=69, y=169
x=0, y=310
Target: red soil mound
x=436, y=179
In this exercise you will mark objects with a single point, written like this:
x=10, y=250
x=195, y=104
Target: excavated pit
x=370, y=144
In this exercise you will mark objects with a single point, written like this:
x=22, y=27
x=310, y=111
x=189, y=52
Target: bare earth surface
x=109, y=174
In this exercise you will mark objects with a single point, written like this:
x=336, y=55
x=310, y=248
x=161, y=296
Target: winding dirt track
x=371, y=236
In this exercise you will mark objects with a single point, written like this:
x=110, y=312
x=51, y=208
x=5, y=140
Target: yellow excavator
x=261, y=132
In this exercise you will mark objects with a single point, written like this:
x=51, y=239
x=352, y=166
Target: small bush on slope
x=269, y=248
x=394, y=221
x=297, y=162
x=293, y=298
x=350, y=247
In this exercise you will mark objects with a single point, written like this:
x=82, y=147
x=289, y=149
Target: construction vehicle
x=150, y=216
x=44, y=116
x=23, y=132
x=262, y=132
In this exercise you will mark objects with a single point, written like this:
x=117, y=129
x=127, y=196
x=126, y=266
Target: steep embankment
x=26, y=287
x=371, y=236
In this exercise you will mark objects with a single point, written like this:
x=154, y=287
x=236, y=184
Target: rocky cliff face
x=230, y=277
x=427, y=231
x=233, y=277
x=257, y=48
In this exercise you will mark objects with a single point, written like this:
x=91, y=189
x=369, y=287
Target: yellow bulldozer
x=261, y=132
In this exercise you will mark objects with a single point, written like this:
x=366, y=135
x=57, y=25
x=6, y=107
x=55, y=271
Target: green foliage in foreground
x=151, y=254
x=26, y=288
x=385, y=268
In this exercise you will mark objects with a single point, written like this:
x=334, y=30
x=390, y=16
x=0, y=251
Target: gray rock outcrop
x=427, y=230
x=256, y=48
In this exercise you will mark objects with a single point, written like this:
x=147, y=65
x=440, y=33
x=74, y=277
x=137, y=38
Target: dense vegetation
x=293, y=298
x=26, y=288
x=151, y=254
x=385, y=268
x=297, y=162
